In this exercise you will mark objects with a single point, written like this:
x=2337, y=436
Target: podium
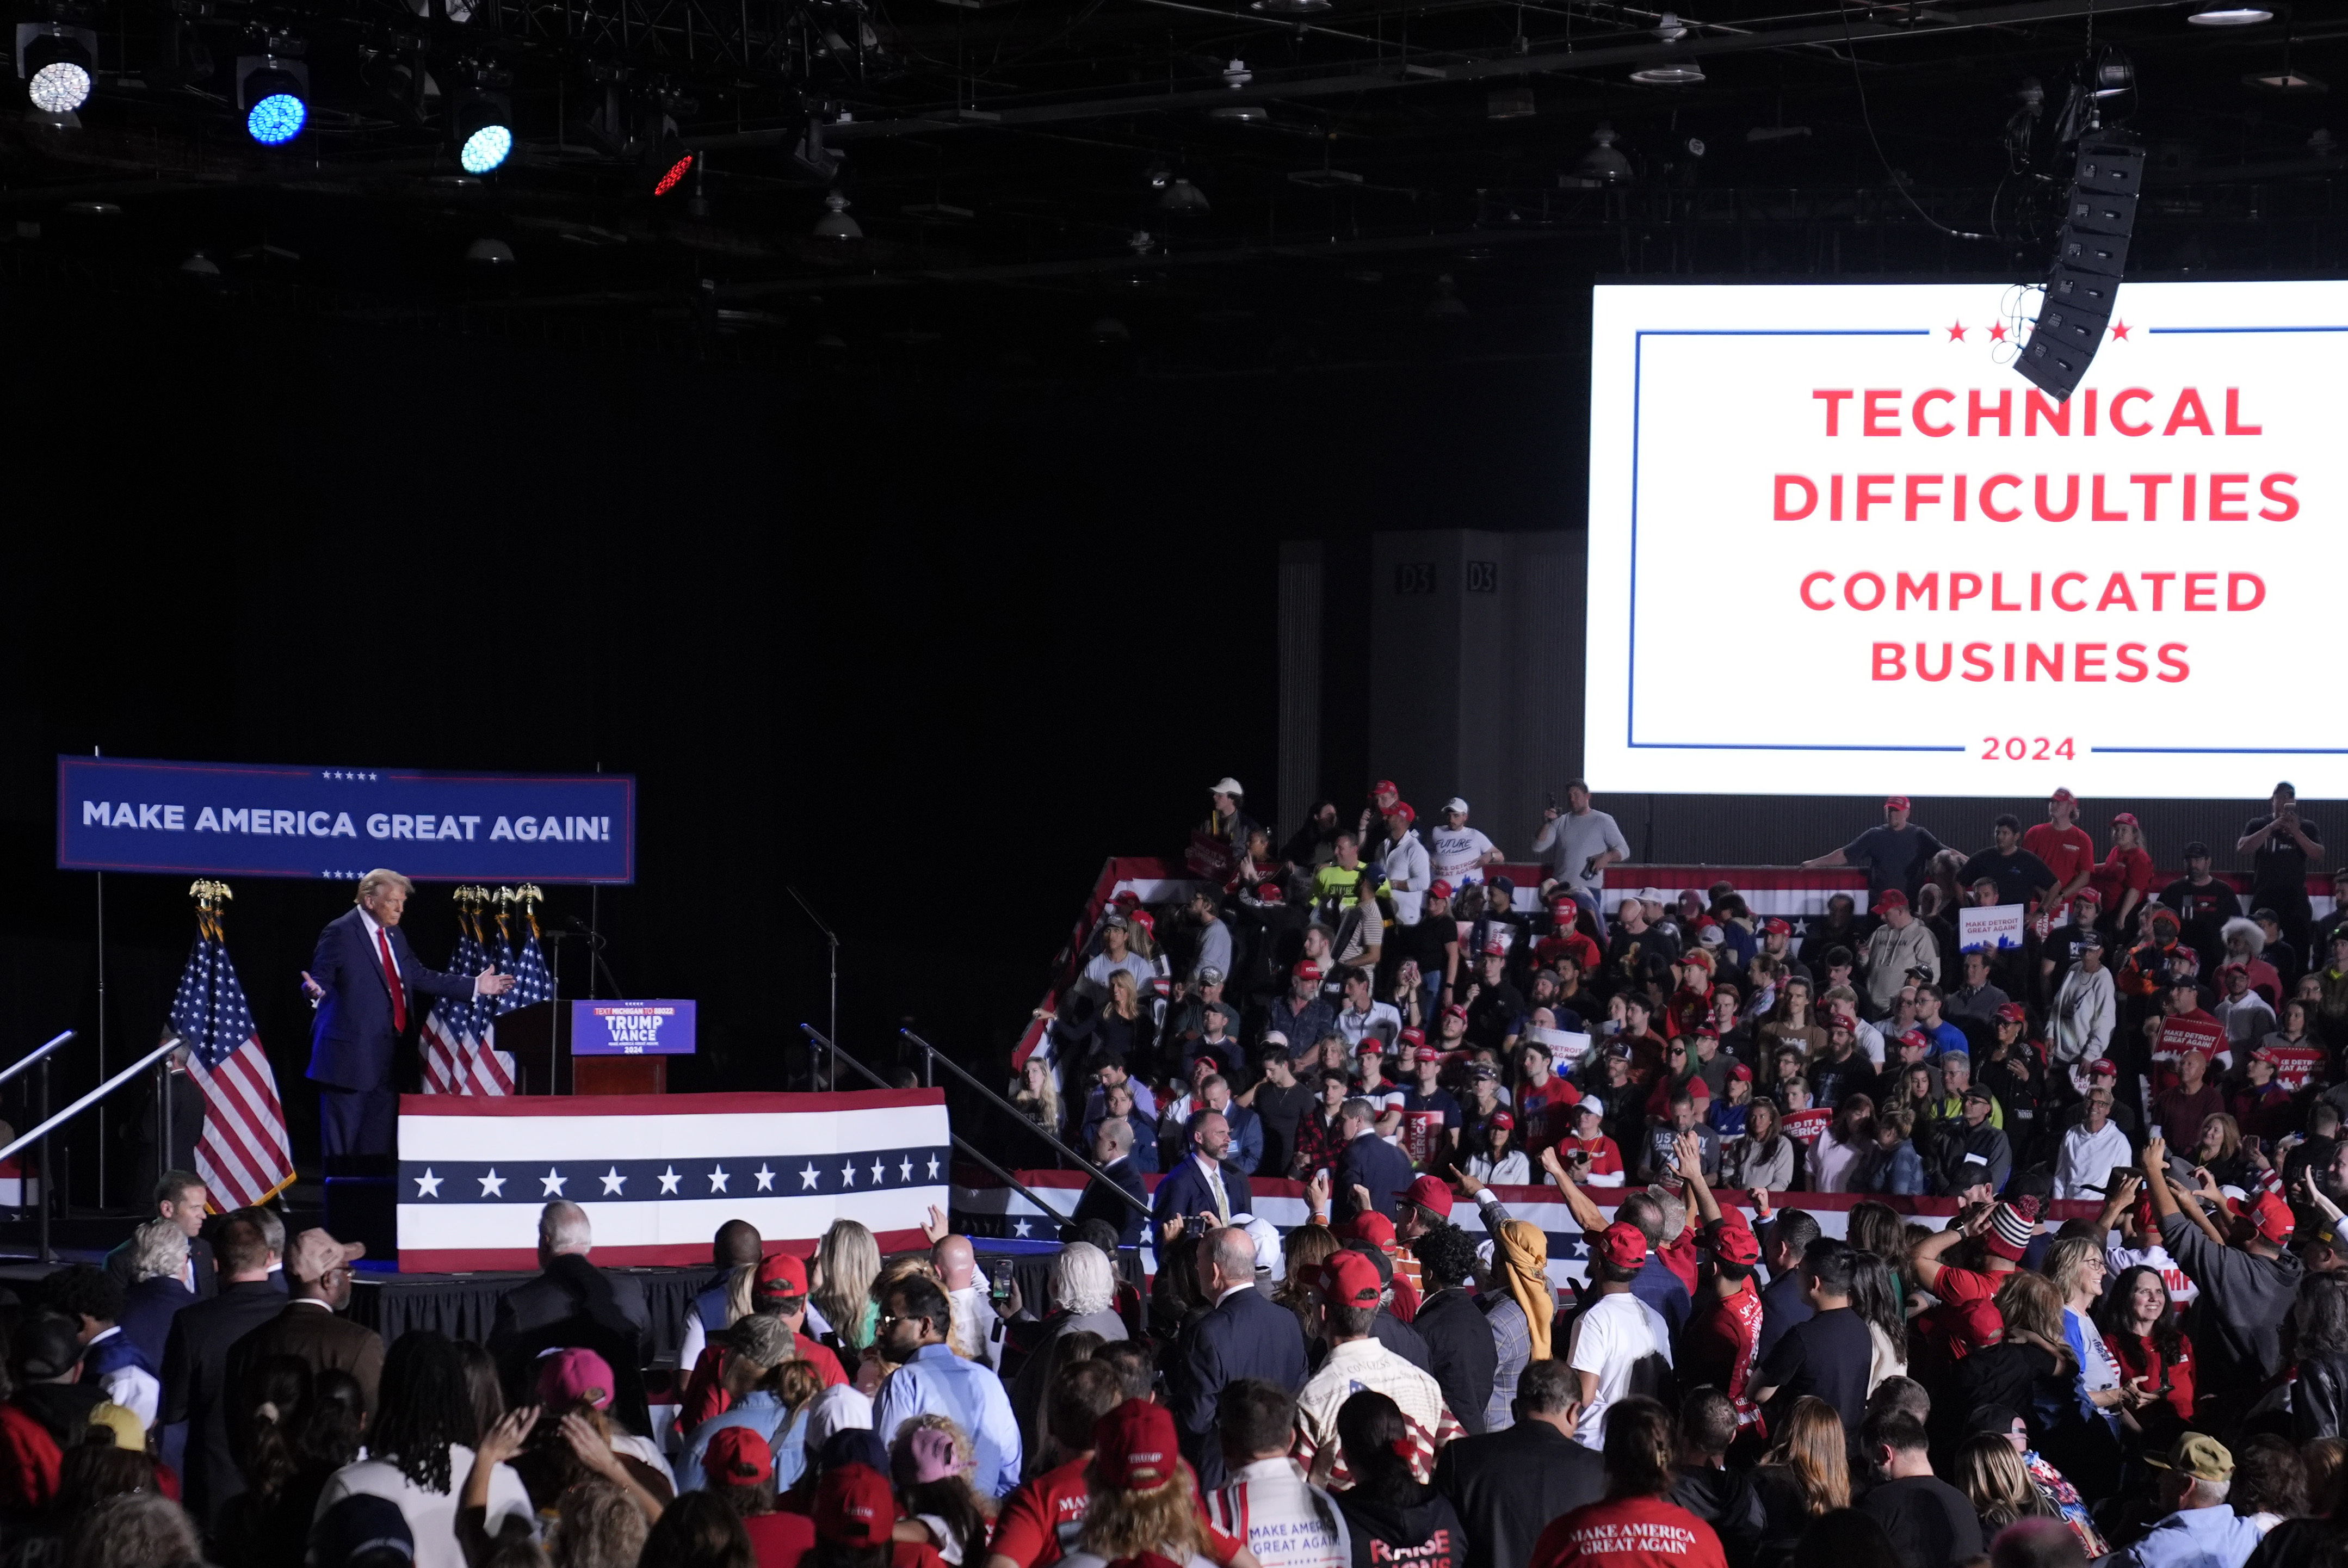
x=598, y=1048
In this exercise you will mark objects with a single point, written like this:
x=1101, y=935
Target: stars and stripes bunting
x=243, y=1155
x=657, y=1174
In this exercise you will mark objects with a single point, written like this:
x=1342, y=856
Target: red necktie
x=391, y=975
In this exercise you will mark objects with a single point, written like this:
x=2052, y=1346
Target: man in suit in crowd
x=1507, y=1485
x=1113, y=1152
x=572, y=1303
x=195, y=1365
x=1370, y=1162
x=309, y=1327
x=368, y=987
x=1202, y=1190
x=1246, y=1334
x=179, y=1198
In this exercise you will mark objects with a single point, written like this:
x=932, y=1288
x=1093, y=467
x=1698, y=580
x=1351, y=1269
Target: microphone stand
x=815, y=1079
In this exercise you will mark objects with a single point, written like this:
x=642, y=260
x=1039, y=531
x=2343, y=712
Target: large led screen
x=1838, y=546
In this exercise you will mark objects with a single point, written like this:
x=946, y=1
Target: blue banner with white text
x=227, y=819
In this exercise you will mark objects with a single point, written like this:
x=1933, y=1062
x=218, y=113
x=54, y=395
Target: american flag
x=243, y=1155
x=533, y=981
x=457, y=1056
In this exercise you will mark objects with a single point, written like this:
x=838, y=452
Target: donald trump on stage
x=365, y=984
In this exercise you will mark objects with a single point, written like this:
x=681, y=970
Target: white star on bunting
x=717, y=1179
x=878, y=1172
x=765, y=1178
x=613, y=1181
x=669, y=1179
x=809, y=1178
x=428, y=1185
x=905, y=1170
x=848, y=1175
x=934, y=1167
x=550, y=1184
x=493, y=1185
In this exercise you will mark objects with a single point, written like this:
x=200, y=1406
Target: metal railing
x=816, y=1038
x=38, y=1054
x=937, y=1057
x=51, y=1123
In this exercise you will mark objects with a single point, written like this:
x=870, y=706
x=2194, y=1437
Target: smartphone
x=998, y=1280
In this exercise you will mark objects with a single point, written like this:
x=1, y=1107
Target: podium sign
x=658, y=1028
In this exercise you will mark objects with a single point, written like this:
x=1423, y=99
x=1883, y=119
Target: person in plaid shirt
x=1350, y=1288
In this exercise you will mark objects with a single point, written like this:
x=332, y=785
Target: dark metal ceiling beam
x=1270, y=87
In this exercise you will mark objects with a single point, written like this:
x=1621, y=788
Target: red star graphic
x=1956, y=334
x=2120, y=330
x=1997, y=332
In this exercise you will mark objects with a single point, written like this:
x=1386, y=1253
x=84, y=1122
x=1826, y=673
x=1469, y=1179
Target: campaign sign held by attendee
x=1997, y=926
x=221, y=818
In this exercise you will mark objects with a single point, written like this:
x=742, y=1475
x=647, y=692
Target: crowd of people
x=1377, y=1011
x=2106, y=1350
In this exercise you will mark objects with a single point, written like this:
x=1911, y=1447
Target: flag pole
x=101, y=1073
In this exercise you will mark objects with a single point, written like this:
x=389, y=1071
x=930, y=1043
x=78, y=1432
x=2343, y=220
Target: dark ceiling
x=1373, y=179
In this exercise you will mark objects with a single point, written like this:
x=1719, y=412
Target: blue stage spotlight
x=274, y=91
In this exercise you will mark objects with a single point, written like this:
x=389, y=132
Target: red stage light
x=677, y=172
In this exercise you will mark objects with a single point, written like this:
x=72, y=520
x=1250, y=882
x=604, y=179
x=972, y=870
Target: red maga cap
x=781, y=1273
x=1623, y=1245
x=738, y=1456
x=1896, y=803
x=1349, y=1279
x=1431, y=1193
x=1133, y=1445
x=1736, y=1244
x=854, y=1506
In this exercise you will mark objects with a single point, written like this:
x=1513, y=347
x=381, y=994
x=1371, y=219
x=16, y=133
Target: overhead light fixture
x=489, y=253
x=1604, y=163
x=482, y=126
x=663, y=155
x=1236, y=76
x=1446, y=306
x=2285, y=80
x=1181, y=196
x=1110, y=333
x=1291, y=7
x=273, y=90
x=2228, y=14
x=835, y=223
x=1509, y=103
x=55, y=63
x=1761, y=133
x=1681, y=76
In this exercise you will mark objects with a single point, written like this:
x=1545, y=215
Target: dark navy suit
x=353, y=1042
x=1369, y=1161
x=1247, y=1334
x=1099, y=1203
x=1184, y=1191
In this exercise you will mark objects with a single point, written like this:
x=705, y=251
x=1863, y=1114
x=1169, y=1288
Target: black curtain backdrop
x=926, y=650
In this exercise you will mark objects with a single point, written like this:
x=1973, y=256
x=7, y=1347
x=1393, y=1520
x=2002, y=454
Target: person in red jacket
x=739, y=1466
x=2065, y=846
x=1636, y=1525
x=781, y=1291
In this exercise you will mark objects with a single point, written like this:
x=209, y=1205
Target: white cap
x=1455, y=804
x=1230, y=786
x=1652, y=895
x=1266, y=1236
x=839, y=1410
x=1590, y=1103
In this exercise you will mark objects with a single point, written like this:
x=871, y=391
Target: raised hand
x=310, y=988
x=504, y=1440
x=489, y=983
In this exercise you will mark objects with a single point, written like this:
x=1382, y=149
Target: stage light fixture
x=664, y=155
x=2226, y=14
x=55, y=63
x=273, y=90
x=482, y=125
x=2090, y=257
x=674, y=174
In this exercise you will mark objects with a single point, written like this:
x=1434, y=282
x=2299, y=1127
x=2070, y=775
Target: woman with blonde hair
x=2218, y=1150
x=1805, y=1475
x=841, y=1309
x=1142, y=1500
x=1989, y=1473
x=1038, y=1099
x=930, y=1459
